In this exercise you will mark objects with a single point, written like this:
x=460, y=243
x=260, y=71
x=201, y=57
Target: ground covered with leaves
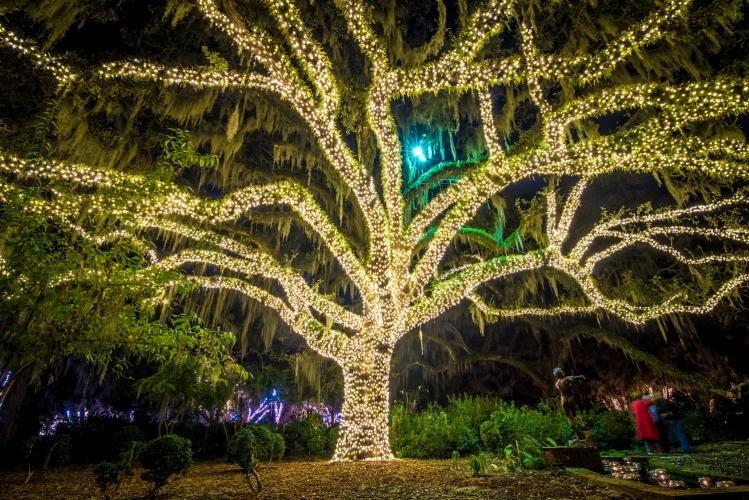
x=417, y=479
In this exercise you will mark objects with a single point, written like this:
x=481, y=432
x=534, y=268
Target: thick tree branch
x=326, y=341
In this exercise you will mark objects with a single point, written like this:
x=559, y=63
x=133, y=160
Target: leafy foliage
x=611, y=430
x=106, y=475
x=178, y=154
x=165, y=457
x=270, y=445
x=306, y=437
x=524, y=428
x=436, y=432
x=244, y=450
x=196, y=369
x=124, y=439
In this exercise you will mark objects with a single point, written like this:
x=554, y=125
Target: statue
x=569, y=392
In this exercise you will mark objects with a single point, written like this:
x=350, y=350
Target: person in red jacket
x=645, y=427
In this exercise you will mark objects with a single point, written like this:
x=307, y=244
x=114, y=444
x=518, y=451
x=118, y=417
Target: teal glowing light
x=418, y=153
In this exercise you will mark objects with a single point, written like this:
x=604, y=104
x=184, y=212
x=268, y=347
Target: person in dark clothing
x=671, y=424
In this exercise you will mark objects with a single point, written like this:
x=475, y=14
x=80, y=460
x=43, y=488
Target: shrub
x=208, y=441
x=123, y=439
x=277, y=446
x=61, y=450
x=49, y=450
x=164, y=457
x=269, y=445
x=611, y=429
x=92, y=438
x=106, y=474
x=332, y=439
x=436, y=432
x=525, y=428
x=306, y=437
x=243, y=451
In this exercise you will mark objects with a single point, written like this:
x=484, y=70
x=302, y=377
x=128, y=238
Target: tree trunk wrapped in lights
x=401, y=275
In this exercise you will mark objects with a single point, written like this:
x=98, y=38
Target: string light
x=398, y=273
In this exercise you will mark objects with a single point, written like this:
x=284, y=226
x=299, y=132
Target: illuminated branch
x=255, y=263
x=510, y=313
x=602, y=228
x=360, y=25
x=167, y=199
x=491, y=138
x=136, y=69
x=321, y=122
x=454, y=286
x=62, y=73
x=253, y=40
x=681, y=104
x=553, y=132
x=328, y=342
x=588, y=68
x=558, y=230
x=580, y=268
x=314, y=61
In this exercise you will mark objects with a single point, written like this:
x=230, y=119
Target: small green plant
x=510, y=424
x=510, y=461
x=243, y=451
x=454, y=459
x=106, y=475
x=481, y=463
x=436, y=432
x=163, y=458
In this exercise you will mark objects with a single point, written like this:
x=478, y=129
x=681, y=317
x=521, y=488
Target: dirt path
x=402, y=479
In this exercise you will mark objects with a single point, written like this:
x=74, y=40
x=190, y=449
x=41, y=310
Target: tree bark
x=363, y=433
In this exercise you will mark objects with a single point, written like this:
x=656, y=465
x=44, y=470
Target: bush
x=277, y=446
x=332, y=439
x=123, y=439
x=208, y=441
x=269, y=445
x=61, y=451
x=436, y=432
x=164, y=457
x=524, y=428
x=50, y=450
x=611, y=429
x=308, y=436
x=243, y=451
x=106, y=474
x=92, y=438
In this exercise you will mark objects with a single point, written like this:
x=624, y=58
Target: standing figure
x=645, y=427
x=569, y=393
x=671, y=425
